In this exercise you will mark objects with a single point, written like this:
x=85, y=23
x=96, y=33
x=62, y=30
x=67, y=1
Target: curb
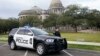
x=84, y=43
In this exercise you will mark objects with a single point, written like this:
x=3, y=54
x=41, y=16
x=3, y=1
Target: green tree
x=51, y=21
x=31, y=20
x=7, y=24
x=93, y=18
x=73, y=12
x=12, y=23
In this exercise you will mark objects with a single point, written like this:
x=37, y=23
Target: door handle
x=30, y=41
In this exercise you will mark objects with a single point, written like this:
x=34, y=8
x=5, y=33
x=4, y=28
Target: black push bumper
x=57, y=46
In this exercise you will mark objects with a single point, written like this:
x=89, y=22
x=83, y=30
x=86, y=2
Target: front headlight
x=50, y=40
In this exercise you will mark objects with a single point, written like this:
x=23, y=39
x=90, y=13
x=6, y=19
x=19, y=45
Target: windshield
x=37, y=31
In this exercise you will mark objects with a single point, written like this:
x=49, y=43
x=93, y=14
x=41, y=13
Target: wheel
x=40, y=49
x=65, y=44
x=13, y=45
x=57, y=51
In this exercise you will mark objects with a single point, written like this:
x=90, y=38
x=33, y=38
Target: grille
x=59, y=40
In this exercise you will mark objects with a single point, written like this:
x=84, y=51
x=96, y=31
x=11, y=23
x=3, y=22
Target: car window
x=39, y=32
x=21, y=31
x=13, y=31
x=27, y=31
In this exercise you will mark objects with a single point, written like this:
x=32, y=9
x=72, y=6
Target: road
x=5, y=51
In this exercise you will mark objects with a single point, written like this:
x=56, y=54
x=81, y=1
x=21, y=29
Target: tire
x=58, y=51
x=65, y=44
x=40, y=49
x=12, y=45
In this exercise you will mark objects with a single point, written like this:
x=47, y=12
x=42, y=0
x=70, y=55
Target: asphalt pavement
x=5, y=51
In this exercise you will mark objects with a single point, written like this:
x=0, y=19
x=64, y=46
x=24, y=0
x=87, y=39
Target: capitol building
x=56, y=7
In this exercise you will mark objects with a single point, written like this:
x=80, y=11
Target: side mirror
x=53, y=33
x=30, y=34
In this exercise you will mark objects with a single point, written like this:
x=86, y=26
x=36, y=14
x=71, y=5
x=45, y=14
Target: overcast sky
x=11, y=8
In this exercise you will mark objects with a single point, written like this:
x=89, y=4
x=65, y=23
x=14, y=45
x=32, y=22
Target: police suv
x=37, y=39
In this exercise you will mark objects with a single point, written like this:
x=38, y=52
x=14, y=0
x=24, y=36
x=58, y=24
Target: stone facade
x=56, y=7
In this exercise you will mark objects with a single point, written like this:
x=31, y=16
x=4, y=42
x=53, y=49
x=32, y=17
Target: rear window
x=13, y=31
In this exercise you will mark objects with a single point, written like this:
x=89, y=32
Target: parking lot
x=5, y=51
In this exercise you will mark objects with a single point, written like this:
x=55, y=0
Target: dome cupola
x=33, y=11
x=56, y=7
x=56, y=4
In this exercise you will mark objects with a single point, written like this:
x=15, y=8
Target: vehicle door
x=29, y=37
x=19, y=38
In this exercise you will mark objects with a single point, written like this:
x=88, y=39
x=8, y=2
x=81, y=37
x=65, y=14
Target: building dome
x=56, y=4
x=37, y=9
x=56, y=7
x=33, y=11
x=28, y=12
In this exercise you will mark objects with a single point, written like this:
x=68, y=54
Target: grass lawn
x=91, y=37
x=87, y=37
x=85, y=47
x=3, y=38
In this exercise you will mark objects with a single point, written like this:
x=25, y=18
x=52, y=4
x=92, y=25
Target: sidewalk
x=84, y=43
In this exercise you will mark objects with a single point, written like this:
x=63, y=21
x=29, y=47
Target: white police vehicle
x=37, y=39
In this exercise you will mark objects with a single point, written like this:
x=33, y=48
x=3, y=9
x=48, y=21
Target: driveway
x=5, y=51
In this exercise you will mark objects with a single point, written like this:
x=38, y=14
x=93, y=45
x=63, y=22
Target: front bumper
x=56, y=46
